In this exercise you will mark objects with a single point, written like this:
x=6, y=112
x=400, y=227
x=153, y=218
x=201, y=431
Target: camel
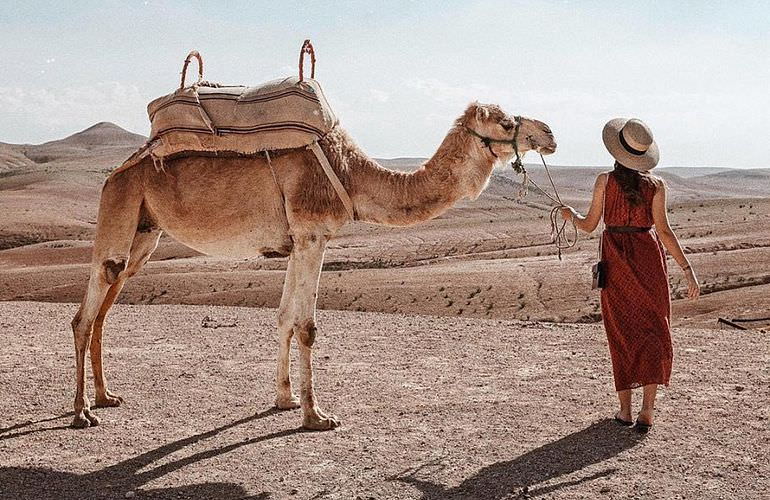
x=278, y=205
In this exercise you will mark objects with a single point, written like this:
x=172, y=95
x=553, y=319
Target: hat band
x=626, y=145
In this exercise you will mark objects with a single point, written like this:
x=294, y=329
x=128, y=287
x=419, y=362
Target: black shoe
x=641, y=427
x=625, y=423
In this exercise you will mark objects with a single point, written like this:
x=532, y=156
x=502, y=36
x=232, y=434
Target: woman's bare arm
x=670, y=241
x=591, y=220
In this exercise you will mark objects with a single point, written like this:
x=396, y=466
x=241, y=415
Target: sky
x=398, y=73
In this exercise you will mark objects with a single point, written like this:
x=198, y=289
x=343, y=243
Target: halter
x=558, y=232
x=487, y=142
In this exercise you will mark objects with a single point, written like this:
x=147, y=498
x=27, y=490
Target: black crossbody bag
x=599, y=273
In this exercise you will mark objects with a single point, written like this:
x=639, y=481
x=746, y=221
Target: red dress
x=636, y=306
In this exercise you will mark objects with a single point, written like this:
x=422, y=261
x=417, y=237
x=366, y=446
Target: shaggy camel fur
x=236, y=207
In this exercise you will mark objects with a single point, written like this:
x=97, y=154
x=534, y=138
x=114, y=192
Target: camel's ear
x=482, y=113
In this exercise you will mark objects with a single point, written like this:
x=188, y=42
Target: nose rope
x=559, y=236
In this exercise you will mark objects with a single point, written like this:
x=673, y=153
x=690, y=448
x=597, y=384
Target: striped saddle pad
x=281, y=114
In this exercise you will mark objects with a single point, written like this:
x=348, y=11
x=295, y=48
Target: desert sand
x=431, y=407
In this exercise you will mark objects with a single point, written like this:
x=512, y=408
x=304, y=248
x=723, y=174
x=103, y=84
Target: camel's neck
x=398, y=198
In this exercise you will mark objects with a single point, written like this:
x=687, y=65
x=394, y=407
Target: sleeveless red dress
x=636, y=306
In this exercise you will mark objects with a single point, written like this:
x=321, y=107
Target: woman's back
x=618, y=209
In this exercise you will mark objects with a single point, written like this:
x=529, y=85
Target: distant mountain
x=690, y=172
x=576, y=183
x=12, y=159
x=405, y=164
x=745, y=181
x=103, y=146
x=103, y=134
x=100, y=146
x=750, y=174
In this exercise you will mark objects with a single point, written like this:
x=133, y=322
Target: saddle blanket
x=213, y=118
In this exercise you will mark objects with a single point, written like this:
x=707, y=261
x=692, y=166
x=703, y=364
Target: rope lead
x=559, y=236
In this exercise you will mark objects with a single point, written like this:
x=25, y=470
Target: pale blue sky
x=398, y=72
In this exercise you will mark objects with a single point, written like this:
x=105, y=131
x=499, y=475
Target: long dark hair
x=633, y=183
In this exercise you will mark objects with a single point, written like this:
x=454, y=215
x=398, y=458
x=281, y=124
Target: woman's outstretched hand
x=693, y=287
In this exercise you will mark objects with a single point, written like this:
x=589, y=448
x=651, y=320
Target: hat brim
x=611, y=138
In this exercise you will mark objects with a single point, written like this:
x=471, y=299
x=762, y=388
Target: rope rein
x=559, y=234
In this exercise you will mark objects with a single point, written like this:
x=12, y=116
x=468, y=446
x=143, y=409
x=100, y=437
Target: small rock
x=130, y=494
x=739, y=388
x=209, y=322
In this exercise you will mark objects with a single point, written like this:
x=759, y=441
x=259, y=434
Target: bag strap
x=604, y=210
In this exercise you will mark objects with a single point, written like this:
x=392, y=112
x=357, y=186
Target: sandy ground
x=431, y=408
x=488, y=259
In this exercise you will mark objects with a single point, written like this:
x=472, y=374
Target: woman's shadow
x=116, y=480
x=596, y=443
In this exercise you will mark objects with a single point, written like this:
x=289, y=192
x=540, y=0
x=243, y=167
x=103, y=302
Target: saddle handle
x=307, y=48
x=187, y=60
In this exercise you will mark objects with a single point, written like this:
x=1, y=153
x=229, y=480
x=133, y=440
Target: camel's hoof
x=85, y=419
x=290, y=403
x=321, y=423
x=109, y=400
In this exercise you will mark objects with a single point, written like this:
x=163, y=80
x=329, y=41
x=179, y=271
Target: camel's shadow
x=116, y=480
x=596, y=443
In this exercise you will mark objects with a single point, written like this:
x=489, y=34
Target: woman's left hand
x=567, y=212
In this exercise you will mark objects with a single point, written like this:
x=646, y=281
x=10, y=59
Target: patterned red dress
x=636, y=306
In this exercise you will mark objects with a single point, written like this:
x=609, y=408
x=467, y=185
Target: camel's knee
x=285, y=320
x=80, y=325
x=112, y=269
x=306, y=332
x=77, y=320
x=81, y=329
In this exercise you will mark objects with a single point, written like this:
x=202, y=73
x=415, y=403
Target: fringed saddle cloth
x=221, y=119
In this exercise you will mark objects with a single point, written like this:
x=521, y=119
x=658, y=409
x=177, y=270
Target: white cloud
x=45, y=113
x=445, y=93
x=379, y=95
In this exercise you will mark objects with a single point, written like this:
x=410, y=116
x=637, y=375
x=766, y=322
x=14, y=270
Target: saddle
x=211, y=118
x=281, y=114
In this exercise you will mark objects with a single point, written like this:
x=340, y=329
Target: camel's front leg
x=304, y=271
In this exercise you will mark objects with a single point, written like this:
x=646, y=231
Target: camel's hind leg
x=82, y=325
x=142, y=247
x=119, y=210
x=285, y=398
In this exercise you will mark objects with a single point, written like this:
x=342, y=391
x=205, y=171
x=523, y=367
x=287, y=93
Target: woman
x=636, y=307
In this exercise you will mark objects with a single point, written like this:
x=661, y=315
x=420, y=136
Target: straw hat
x=630, y=142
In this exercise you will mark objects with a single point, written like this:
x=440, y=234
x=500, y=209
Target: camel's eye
x=507, y=125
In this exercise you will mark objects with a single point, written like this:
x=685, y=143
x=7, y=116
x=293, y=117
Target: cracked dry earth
x=431, y=407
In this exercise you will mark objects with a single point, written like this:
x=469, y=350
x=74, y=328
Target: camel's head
x=491, y=122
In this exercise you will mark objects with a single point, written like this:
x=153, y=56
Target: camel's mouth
x=547, y=150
